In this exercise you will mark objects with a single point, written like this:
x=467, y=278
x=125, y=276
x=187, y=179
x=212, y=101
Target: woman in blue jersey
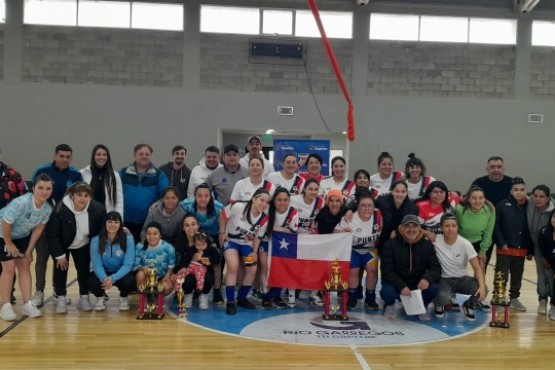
x=22, y=222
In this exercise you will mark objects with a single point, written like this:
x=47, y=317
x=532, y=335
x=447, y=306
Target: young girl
x=154, y=253
x=22, y=222
x=242, y=225
x=288, y=177
x=417, y=181
x=386, y=175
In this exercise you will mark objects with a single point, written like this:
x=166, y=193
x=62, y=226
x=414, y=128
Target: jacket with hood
x=199, y=174
x=538, y=219
x=511, y=228
x=404, y=264
x=61, y=229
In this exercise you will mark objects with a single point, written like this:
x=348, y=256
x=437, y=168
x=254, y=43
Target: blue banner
x=302, y=148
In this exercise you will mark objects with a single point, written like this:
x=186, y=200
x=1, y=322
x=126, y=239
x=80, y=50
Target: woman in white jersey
x=245, y=188
x=288, y=177
x=386, y=175
x=417, y=181
x=337, y=180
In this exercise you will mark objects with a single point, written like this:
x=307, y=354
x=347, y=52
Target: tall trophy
x=499, y=304
x=340, y=287
x=181, y=309
x=151, y=296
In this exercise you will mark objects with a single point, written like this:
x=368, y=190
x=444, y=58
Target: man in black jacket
x=409, y=262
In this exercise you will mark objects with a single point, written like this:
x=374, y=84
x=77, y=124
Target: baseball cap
x=254, y=137
x=410, y=219
x=231, y=147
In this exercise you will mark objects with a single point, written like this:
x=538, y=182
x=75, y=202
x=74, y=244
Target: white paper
x=414, y=305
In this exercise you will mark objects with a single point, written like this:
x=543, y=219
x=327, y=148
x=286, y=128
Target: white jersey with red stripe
x=244, y=189
x=307, y=213
x=238, y=227
x=365, y=233
x=383, y=185
x=416, y=191
x=294, y=185
x=430, y=216
x=347, y=187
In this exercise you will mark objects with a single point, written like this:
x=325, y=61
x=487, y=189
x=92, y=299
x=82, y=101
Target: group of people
x=187, y=224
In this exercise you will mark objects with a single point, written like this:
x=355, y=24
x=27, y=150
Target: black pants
x=513, y=266
x=82, y=261
x=488, y=253
x=190, y=283
x=125, y=285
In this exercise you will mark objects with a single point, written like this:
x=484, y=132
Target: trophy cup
x=151, y=296
x=499, y=304
x=338, y=286
x=182, y=310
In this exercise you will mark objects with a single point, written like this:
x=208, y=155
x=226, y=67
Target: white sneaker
x=203, y=301
x=542, y=307
x=188, y=301
x=68, y=300
x=84, y=303
x=124, y=303
x=7, y=313
x=291, y=299
x=61, y=305
x=517, y=305
x=38, y=298
x=99, y=305
x=552, y=313
x=30, y=310
x=389, y=312
x=424, y=317
x=316, y=301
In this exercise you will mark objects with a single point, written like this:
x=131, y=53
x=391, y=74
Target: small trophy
x=151, y=296
x=499, y=304
x=338, y=286
x=182, y=310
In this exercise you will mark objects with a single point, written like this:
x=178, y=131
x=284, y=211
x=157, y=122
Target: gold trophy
x=151, y=296
x=339, y=286
x=182, y=310
x=499, y=303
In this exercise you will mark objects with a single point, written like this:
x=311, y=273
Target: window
x=2, y=11
x=50, y=12
x=394, y=27
x=492, y=31
x=277, y=22
x=104, y=14
x=336, y=24
x=543, y=33
x=446, y=29
x=227, y=19
x=157, y=16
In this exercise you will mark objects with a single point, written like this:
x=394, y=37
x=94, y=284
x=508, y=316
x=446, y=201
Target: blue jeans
x=389, y=294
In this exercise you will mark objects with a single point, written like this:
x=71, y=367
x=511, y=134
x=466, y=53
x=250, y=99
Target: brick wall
x=542, y=74
x=441, y=70
x=102, y=56
x=225, y=65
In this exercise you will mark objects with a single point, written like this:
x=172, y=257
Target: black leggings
x=190, y=283
x=82, y=261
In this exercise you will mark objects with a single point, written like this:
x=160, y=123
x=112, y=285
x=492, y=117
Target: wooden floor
x=115, y=340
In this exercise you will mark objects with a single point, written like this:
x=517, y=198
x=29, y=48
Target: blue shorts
x=363, y=257
x=242, y=249
x=263, y=247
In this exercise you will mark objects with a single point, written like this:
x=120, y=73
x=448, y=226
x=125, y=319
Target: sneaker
x=68, y=300
x=424, y=317
x=124, y=303
x=218, y=299
x=203, y=301
x=352, y=303
x=389, y=312
x=230, y=308
x=552, y=313
x=517, y=305
x=316, y=301
x=7, y=313
x=483, y=306
x=469, y=311
x=84, y=303
x=257, y=294
x=453, y=305
x=278, y=302
x=38, y=298
x=439, y=311
x=371, y=303
x=542, y=307
x=291, y=300
x=30, y=310
x=188, y=301
x=61, y=305
x=99, y=305
x=245, y=303
x=266, y=304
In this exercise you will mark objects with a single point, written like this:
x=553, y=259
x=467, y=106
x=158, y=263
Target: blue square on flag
x=284, y=245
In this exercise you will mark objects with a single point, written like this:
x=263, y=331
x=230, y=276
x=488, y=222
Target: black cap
x=230, y=147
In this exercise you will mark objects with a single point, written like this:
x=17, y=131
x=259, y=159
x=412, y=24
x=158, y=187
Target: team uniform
x=162, y=255
x=416, y=191
x=294, y=185
x=307, y=176
x=307, y=213
x=347, y=187
x=289, y=219
x=365, y=238
x=383, y=185
x=207, y=223
x=430, y=217
x=240, y=232
x=244, y=189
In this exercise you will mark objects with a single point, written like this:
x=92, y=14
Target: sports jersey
x=294, y=185
x=207, y=223
x=430, y=217
x=306, y=176
x=239, y=229
x=365, y=233
x=347, y=187
x=244, y=189
x=162, y=255
x=416, y=191
x=307, y=213
x=454, y=258
x=289, y=219
x=23, y=216
x=383, y=185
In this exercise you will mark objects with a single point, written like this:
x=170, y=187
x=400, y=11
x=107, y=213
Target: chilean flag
x=304, y=261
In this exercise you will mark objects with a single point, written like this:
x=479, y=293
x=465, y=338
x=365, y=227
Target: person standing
x=254, y=150
x=143, y=184
x=223, y=179
x=206, y=166
x=177, y=172
x=546, y=242
x=495, y=184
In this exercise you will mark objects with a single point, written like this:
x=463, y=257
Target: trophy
x=151, y=296
x=499, y=304
x=338, y=286
x=181, y=309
